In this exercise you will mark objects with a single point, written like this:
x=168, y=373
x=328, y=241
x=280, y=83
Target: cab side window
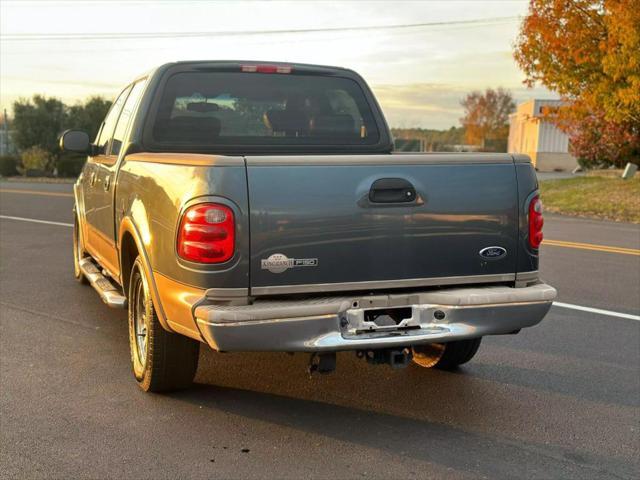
x=123, y=122
x=106, y=132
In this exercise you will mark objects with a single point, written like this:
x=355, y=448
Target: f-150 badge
x=278, y=263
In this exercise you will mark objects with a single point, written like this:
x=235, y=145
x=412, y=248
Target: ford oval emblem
x=493, y=253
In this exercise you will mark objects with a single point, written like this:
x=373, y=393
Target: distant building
x=530, y=133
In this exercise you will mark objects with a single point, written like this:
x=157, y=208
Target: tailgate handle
x=392, y=190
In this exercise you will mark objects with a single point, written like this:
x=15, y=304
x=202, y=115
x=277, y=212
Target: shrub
x=35, y=158
x=9, y=165
x=598, y=143
x=69, y=165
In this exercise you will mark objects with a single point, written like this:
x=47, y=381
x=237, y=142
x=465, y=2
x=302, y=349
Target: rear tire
x=446, y=356
x=162, y=361
x=77, y=254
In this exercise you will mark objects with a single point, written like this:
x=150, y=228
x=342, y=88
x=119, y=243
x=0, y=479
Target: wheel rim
x=428, y=355
x=140, y=321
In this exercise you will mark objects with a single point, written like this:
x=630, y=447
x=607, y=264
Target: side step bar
x=107, y=291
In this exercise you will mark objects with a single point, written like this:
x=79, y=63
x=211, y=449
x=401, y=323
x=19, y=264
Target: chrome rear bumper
x=339, y=323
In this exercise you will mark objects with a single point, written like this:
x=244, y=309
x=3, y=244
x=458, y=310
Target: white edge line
x=556, y=304
x=597, y=310
x=33, y=220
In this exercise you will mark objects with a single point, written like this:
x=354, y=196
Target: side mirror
x=75, y=141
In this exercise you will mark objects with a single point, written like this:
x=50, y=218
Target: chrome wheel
x=428, y=355
x=161, y=360
x=140, y=319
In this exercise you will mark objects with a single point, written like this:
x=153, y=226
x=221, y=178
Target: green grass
x=607, y=198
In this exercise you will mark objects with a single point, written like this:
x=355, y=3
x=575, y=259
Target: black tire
x=78, y=254
x=161, y=361
x=446, y=356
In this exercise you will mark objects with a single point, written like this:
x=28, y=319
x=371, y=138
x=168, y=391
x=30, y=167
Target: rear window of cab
x=205, y=109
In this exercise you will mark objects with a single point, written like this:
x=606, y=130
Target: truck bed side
x=152, y=192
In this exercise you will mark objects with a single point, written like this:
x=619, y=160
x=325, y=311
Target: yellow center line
x=592, y=246
x=36, y=192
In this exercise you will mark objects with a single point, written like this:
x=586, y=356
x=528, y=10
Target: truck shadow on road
x=486, y=454
x=446, y=418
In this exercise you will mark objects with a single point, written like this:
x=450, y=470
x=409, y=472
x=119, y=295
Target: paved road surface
x=561, y=400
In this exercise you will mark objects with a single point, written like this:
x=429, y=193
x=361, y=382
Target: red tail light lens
x=207, y=234
x=535, y=222
x=265, y=68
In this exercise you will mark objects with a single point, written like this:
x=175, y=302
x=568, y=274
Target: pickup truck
x=259, y=207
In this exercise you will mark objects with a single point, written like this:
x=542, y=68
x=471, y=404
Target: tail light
x=535, y=222
x=265, y=68
x=207, y=234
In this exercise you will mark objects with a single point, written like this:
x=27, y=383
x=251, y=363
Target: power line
x=155, y=35
x=79, y=83
x=136, y=2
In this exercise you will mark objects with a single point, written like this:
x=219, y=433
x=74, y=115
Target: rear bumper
x=338, y=323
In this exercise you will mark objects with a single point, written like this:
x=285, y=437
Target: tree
x=487, y=116
x=622, y=61
x=589, y=52
x=38, y=123
x=598, y=142
x=88, y=116
x=433, y=140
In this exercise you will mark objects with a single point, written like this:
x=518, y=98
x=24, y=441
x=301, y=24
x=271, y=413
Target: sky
x=419, y=57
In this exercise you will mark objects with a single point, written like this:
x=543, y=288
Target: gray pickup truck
x=258, y=207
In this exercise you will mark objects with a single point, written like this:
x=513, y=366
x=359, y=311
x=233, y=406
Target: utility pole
x=4, y=148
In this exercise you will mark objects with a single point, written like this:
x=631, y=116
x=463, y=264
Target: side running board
x=107, y=291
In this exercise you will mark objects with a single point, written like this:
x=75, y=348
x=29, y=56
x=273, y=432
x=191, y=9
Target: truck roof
x=306, y=66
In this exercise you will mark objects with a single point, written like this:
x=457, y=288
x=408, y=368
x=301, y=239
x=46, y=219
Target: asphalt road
x=561, y=400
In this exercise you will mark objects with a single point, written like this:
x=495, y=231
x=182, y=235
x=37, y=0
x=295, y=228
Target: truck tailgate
x=330, y=223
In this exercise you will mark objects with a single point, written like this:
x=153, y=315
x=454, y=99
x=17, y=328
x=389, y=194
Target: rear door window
x=125, y=116
x=237, y=108
x=106, y=132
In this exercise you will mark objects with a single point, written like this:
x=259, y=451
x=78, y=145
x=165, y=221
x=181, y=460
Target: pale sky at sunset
x=418, y=73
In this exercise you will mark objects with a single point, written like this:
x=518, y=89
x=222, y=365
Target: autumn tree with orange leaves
x=588, y=51
x=486, y=118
